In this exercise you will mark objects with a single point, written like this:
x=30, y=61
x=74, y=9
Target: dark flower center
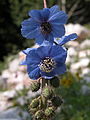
x=47, y=65
x=46, y=28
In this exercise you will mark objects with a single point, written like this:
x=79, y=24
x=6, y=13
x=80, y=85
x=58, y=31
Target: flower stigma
x=47, y=65
x=46, y=28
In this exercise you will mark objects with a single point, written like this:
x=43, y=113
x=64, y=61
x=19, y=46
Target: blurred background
x=15, y=93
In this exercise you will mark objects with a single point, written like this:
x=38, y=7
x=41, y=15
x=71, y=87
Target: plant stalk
x=45, y=3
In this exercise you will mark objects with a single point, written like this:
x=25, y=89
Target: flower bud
x=55, y=82
x=57, y=101
x=33, y=110
x=47, y=92
x=39, y=115
x=35, y=86
x=34, y=103
x=49, y=112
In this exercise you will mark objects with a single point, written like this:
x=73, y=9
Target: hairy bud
x=35, y=86
x=47, y=92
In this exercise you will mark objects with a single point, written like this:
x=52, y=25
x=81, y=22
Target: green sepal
x=39, y=115
x=50, y=112
x=35, y=86
x=47, y=92
x=34, y=103
x=57, y=101
x=55, y=82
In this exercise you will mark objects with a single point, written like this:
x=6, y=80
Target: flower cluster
x=47, y=61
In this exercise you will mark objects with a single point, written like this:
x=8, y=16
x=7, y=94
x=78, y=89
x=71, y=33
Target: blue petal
x=58, y=18
x=49, y=74
x=43, y=51
x=29, y=26
x=40, y=38
x=35, y=14
x=32, y=57
x=61, y=58
x=60, y=69
x=29, y=34
x=68, y=38
x=45, y=14
x=46, y=43
x=56, y=50
x=58, y=30
x=23, y=62
x=30, y=22
x=50, y=38
x=34, y=74
x=54, y=10
x=27, y=50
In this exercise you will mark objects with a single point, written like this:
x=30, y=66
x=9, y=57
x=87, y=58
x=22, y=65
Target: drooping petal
x=58, y=31
x=54, y=10
x=58, y=18
x=68, y=38
x=34, y=74
x=27, y=50
x=35, y=14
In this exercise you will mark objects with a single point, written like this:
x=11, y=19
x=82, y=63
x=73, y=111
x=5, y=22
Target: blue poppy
x=46, y=61
x=45, y=24
x=65, y=39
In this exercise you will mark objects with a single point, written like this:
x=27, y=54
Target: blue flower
x=45, y=24
x=65, y=39
x=46, y=61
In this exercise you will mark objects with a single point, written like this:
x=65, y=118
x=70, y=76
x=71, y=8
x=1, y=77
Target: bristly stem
x=45, y=3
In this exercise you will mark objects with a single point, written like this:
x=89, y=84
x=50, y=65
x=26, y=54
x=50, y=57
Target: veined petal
x=58, y=31
x=43, y=51
x=30, y=33
x=46, y=43
x=45, y=14
x=40, y=38
x=35, y=14
x=34, y=74
x=50, y=38
x=30, y=22
x=27, y=50
x=56, y=50
x=54, y=10
x=68, y=38
x=32, y=57
x=61, y=58
x=58, y=18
